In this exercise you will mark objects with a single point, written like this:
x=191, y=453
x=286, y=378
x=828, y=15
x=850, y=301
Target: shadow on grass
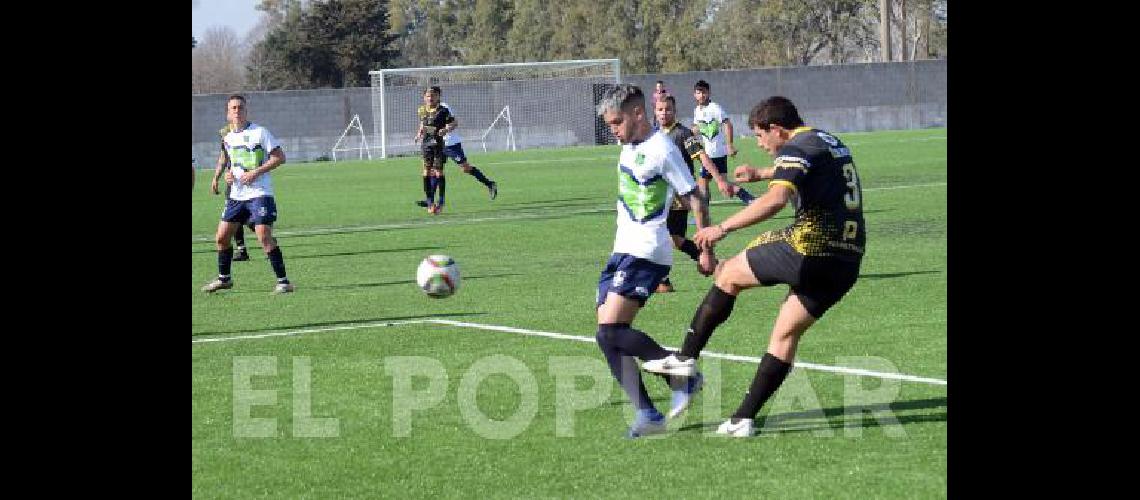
x=303, y=326
x=895, y=275
x=785, y=423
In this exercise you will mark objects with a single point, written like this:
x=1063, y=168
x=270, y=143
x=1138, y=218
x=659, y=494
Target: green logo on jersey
x=643, y=200
x=246, y=159
x=709, y=129
x=639, y=159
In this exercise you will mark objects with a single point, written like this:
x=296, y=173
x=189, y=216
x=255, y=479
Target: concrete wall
x=840, y=98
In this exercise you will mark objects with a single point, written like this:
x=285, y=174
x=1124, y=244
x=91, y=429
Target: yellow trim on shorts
x=781, y=182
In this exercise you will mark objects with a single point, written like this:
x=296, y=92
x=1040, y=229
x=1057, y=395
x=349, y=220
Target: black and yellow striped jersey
x=690, y=147
x=433, y=120
x=829, y=199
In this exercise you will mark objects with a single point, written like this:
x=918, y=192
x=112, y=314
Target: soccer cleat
x=684, y=395
x=493, y=190
x=421, y=203
x=646, y=423
x=664, y=287
x=431, y=208
x=242, y=255
x=217, y=284
x=283, y=288
x=742, y=427
x=436, y=209
x=670, y=365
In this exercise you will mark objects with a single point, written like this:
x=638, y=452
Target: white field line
x=579, y=338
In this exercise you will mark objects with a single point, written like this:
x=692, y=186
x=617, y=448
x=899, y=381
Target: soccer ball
x=438, y=276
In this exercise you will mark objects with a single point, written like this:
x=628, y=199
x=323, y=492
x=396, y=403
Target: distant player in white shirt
x=711, y=123
x=650, y=172
x=251, y=152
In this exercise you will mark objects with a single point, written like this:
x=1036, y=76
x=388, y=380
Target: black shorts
x=819, y=281
x=433, y=157
x=677, y=222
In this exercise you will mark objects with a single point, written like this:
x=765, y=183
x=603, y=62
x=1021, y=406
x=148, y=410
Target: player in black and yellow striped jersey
x=691, y=147
x=435, y=122
x=818, y=256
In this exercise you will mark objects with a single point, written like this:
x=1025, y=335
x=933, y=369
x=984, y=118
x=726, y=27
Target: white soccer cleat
x=283, y=288
x=670, y=365
x=742, y=427
x=216, y=285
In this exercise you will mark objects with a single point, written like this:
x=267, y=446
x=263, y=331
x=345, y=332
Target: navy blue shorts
x=455, y=152
x=721, y=165
x=630, y=277
x=260, y=210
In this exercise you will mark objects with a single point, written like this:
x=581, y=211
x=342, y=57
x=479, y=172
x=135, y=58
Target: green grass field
x=530, y=260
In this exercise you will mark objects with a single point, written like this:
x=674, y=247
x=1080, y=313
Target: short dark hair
x=702, y=85
x=235, y=96
x=661, y=82
x=670, y=99
x=436, y=89
x=775, y=110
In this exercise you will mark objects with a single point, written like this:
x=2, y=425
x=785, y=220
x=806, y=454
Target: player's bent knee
x=466, y=168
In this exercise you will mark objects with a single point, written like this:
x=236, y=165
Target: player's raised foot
x=665, y=286
x=241, y=255
x=647, y=423
x=283, y=288
x=670, y=365
x=683, y=395
x=736, y=427
x=217, y=284
x=421, y=203
x=493, y=191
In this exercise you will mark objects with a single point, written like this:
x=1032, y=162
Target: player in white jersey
x=650, y=172
x=251, y=152
x=711, y=123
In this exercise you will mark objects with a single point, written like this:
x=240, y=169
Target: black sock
x=427, y=188
x=624, y=368
x=632, y=341
x=225, y=258
x=278, y=262
x=479, y=176
x=433, y=182
x=442, y=189
x=710, y=314
x=691, y=249
x=239, y=237
x=769, y=375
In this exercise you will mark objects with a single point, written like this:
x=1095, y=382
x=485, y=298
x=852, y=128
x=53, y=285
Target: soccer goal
x=498, y=106
x=342, y=144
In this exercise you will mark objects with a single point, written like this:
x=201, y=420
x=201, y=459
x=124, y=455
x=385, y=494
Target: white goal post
x=498, y=106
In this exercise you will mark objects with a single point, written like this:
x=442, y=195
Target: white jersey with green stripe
x=710, y=123
x=248, y=149
x=649, y=174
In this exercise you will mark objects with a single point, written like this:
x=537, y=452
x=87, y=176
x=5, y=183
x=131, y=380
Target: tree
x=329, y=44
x=216, y=63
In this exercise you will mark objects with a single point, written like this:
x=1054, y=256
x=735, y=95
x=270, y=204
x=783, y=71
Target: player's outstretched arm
x=748, y=173
x=726, y=188
x=762, y=209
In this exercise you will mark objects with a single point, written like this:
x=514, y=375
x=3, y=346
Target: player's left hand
x=229, y=176
x=707, y=237
x=732, y=150
x=248, y=177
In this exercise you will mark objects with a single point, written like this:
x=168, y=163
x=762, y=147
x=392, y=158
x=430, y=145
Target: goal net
x=498, y=106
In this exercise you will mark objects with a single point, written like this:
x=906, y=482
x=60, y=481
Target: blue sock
x=433, y=183
x=225, y=258
x=277, y=261
x=744, y=195
x=624, y=368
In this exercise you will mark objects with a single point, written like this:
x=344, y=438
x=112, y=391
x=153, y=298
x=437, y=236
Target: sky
x=237, y=14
